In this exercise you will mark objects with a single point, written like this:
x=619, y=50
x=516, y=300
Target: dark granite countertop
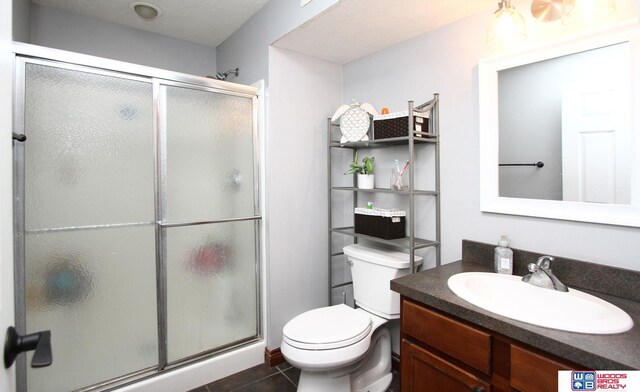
x=598, y=352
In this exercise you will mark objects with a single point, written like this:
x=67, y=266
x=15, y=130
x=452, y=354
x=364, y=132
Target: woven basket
x=380, y=226
x=398, y=127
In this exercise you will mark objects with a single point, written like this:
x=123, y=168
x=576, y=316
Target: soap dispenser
x=503, y=257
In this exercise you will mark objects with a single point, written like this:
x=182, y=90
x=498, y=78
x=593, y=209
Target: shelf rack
x=411, y=243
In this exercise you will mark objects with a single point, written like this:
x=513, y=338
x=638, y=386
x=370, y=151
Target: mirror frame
x=490, y=201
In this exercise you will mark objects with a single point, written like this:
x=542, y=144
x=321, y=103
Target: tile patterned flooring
x=262, y=378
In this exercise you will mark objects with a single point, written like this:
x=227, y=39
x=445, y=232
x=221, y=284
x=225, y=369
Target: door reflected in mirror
x=572, y=113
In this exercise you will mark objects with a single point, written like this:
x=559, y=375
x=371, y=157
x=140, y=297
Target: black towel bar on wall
x=537, y=164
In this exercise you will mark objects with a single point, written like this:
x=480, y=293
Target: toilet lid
x=327, y=328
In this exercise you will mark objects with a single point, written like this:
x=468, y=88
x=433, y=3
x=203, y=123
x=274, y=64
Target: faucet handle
x=533, y=267
x=544, y=262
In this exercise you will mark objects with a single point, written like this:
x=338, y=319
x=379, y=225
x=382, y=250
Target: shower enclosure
x=137, y=221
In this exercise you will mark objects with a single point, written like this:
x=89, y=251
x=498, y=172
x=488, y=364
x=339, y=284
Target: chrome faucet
x=542, y=276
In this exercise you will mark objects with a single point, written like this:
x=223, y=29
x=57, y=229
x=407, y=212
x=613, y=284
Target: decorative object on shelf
x=390, y=125
x=355, y=120
x=506, y=27
x=364, y=171
x=383, y=223
x=366, y=181
x=397, y=182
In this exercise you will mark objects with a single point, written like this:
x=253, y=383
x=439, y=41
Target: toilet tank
x=371, y=270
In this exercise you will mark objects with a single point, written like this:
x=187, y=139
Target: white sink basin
x=508, y=296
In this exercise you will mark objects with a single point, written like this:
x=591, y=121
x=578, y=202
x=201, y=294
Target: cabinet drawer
x=531, y=372
x=452, y=337
x=423, y=371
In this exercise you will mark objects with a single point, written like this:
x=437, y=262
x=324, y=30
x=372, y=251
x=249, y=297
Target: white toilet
x=341, y=349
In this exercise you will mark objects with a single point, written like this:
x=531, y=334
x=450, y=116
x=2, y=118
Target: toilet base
x=381, y=385
x=371, y=374
x=322, y=382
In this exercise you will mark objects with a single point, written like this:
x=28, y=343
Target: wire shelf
x=384, y=190
x=403, y=243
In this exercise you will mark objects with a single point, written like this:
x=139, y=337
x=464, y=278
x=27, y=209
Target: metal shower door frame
x=29, y=54
x=161, y=226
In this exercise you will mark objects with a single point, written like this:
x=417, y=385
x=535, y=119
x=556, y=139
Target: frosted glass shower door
x=210, y=219
x=88, y=234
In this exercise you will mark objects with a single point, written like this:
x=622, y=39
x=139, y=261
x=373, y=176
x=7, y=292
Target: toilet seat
x=327, y=328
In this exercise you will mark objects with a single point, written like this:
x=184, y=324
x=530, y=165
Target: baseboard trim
x=273, y=357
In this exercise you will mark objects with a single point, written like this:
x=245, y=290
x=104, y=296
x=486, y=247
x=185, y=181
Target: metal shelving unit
x=425, y=139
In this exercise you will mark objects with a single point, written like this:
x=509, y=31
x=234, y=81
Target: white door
x=595, y=141
x=7, y=376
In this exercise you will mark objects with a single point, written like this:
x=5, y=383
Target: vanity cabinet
x=441, y=353
x=416, y=141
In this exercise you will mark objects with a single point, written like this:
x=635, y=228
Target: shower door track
x=26, y=53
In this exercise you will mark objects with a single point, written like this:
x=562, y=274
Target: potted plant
x=364, y=171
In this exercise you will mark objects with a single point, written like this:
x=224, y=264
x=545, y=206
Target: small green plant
x=365, y=168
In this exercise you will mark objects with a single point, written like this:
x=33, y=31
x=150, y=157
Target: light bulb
x=589, y=11
x=506, y=27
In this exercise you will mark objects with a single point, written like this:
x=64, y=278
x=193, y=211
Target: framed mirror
x=559, y=129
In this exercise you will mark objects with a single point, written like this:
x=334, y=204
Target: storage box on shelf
x=387, y=126
x=385, y=224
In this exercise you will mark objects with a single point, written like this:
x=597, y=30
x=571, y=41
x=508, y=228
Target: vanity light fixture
x=506, y=27
x=551, y=10
x=589, y=11
x=572, y=11
x=146, y=11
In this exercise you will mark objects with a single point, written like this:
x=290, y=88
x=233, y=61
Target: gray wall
x=21, y=20
x=77, y=33
x=304, y=92
x=445, y=61
x=248, y=47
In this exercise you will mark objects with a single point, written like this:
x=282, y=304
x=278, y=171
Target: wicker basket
x=397, y=125
x=385, y=227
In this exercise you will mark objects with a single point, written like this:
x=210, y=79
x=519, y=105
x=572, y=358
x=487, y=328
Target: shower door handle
x=14, y=344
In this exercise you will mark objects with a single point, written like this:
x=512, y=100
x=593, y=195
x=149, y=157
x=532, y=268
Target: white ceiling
x=345, y=32
x=352, y=29
x=207, y=22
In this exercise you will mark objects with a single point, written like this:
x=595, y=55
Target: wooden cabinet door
x=532, y=372
x=423, y=371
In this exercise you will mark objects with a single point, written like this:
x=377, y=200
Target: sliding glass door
x=136, y=223
x=209, y=219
